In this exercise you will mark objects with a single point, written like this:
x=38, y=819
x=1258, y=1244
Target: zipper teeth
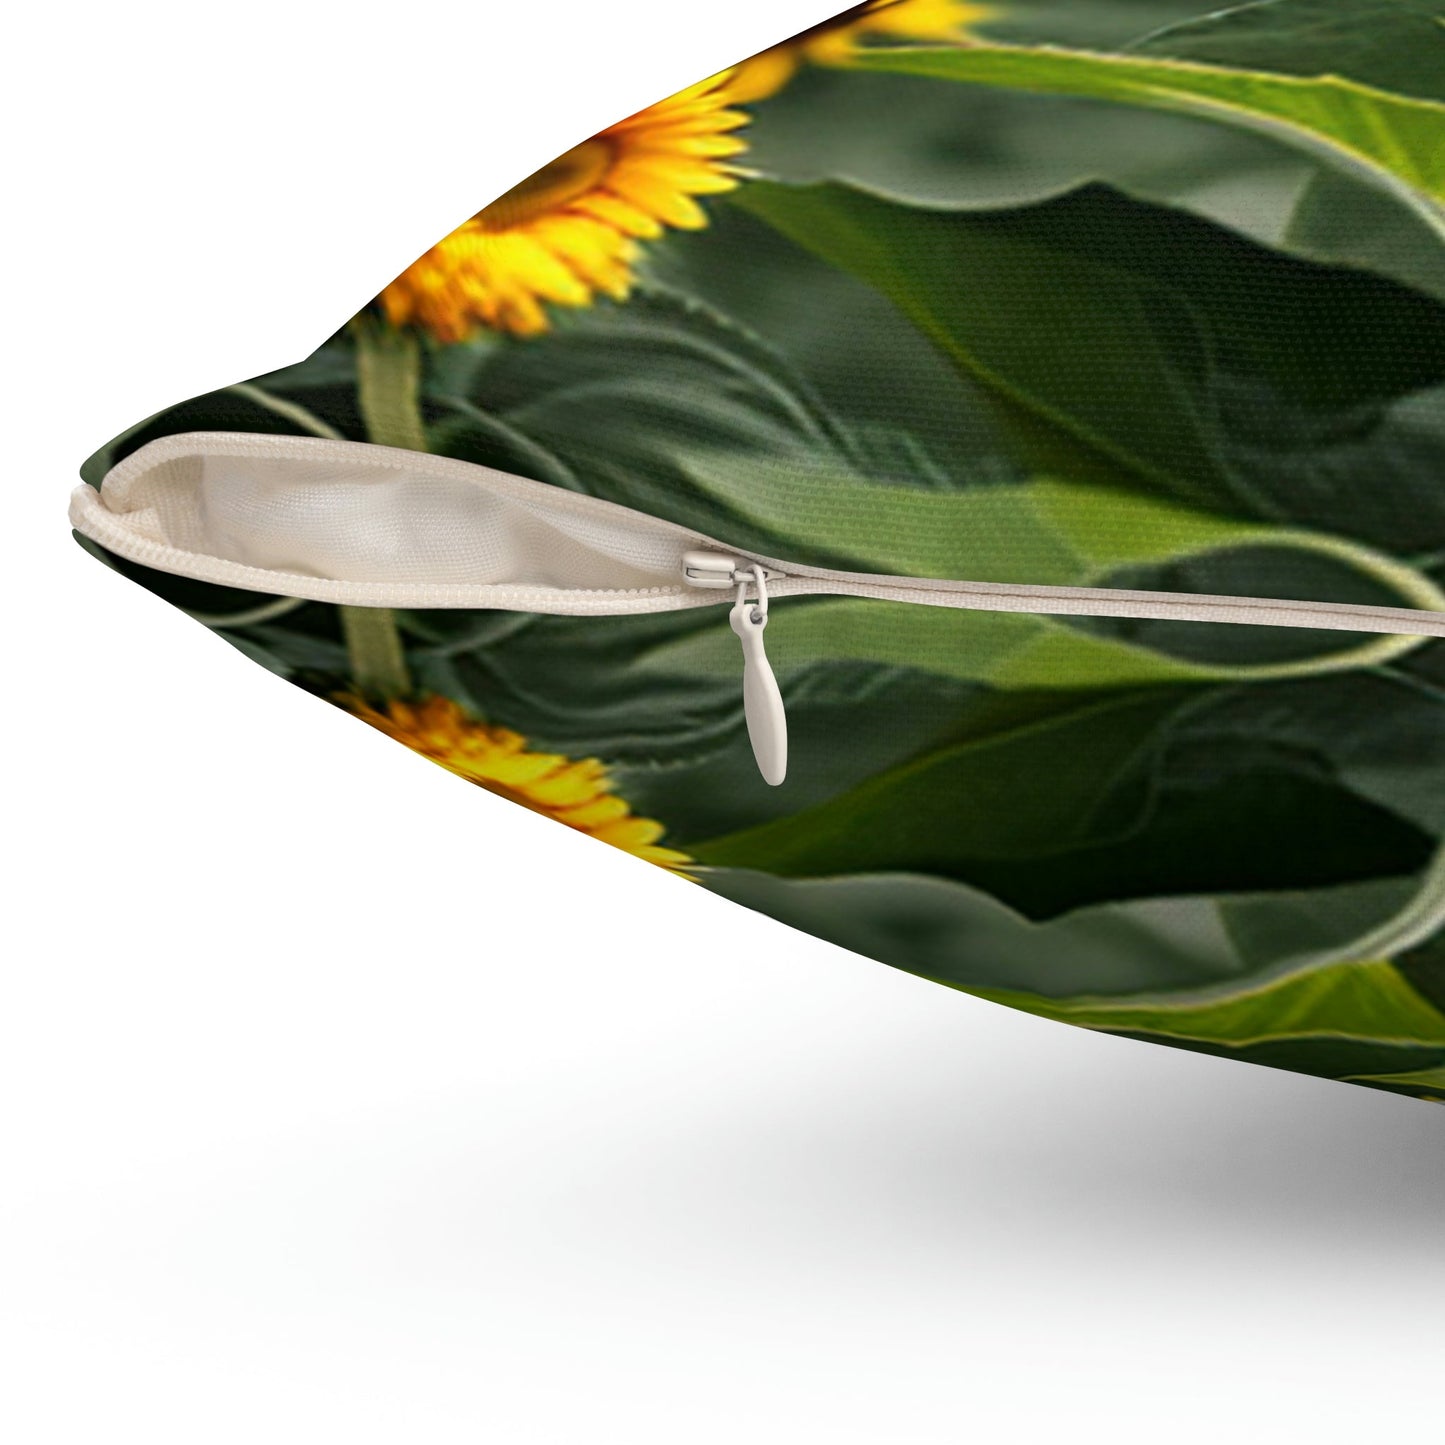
x=91, y=515
x=1118, y=602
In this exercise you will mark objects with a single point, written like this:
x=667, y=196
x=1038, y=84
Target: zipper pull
x=762, y=700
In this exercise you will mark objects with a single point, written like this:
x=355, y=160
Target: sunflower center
x=563, y=180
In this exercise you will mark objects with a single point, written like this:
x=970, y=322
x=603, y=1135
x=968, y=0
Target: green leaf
x=1343, y=222
x=1423, y=966
x=1176, y=949
x=1213, y=368
x=1327, y=1055
x=832, y=327
x=982, y=147
x=1096, y=25
x=1336, y=1021
x=1396, y=140
x=1423, y=1083
x=1170, y=791
x=1368, y=1001
x=1041, y=533
x=1393, y=45
x=1379, y=734
x=1021, y=802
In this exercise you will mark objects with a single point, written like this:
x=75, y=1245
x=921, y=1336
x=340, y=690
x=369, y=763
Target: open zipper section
x=367, y=526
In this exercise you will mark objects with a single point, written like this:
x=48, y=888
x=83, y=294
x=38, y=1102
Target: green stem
x=374, y=650
x=388, y=384
x=388, y=388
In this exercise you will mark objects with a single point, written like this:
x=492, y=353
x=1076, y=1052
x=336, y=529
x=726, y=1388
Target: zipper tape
x=152, y=508
x=352, y=523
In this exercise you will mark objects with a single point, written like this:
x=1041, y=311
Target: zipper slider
x=762, y=700
x=716, y=569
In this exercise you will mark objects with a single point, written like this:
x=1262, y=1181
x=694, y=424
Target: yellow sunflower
x=570, y=231
x=836, y=41
x=577, y=793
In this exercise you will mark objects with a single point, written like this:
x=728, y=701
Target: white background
x=343, y=1102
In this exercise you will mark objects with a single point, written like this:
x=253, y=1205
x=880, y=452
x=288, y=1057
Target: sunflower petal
x=574, y=791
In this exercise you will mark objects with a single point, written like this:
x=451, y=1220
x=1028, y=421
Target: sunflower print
x=571, y=232
x=575, y=792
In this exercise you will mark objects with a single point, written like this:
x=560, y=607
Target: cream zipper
x=354, y=524
x=763, y=709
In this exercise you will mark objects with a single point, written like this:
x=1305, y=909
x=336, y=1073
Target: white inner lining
x=343, y=512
